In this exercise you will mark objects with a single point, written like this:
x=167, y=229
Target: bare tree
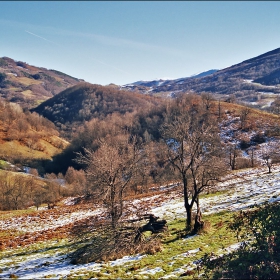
x=244, y=117
x=110, y=170
x=193, y=149
x=233, y=152
x=219, y=109
x=275, y=106
x=76, y=179
x=270, y=155
x=207, y=100
x=251, y=152
x=16, y=191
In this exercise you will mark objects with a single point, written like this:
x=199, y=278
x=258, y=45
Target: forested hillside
x=243, y=130
x=80, y=104
x=25, y=136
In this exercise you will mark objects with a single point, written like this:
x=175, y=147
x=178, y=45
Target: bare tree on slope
x=194, y=150
x=110, y=170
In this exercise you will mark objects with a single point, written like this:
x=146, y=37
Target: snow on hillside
x=36, y=223
x=242, y=189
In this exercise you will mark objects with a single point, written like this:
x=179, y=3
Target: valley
x=156, y=179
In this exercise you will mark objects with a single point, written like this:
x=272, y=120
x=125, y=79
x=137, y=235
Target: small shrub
x=243, y=163
x=259, y=138
x=152, y=247
x=36, y=76
x=207, y=227
x=21, y=64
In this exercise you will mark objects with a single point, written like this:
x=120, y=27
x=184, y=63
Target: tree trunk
x=114, y=218
x=198, y=225
x=187, y=205
x=189, y=217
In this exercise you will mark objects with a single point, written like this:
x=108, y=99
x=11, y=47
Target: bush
x=244, y=144
x=3, y=76
x=258, y=257
x=21, y=64
x=242, y=163
x=107, y=244
x=259, y=138
x=36, y=76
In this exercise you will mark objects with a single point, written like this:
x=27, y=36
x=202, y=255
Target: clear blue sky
x=126, y=41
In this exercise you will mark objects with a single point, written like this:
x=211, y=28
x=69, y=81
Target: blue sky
x=126, y=41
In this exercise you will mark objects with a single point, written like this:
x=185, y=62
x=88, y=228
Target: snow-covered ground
x=244, y=188
x=251, y=82
x=34, y=224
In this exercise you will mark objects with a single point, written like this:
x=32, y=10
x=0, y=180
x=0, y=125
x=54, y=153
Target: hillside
x=29, y=85
x=42, y=247
x=25, y=137
x=73, y=107
x=249, y=81
x=239, y=126
x=71, y=239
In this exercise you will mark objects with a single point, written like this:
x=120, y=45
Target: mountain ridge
x=231, y=81
x=30, y=85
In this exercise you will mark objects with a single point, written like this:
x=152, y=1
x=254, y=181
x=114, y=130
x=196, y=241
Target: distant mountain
x=81, y=103
x=29, y=85
x=148, y=86
x=245, y=81
x=205, y=73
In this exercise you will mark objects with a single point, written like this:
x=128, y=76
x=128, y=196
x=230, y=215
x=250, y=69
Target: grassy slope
x=44, y=248
x=31, y=144
x=173, y=256
x=15, y=148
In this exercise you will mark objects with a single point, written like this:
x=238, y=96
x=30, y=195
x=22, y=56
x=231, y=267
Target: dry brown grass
x=16, y=149
x=12, y=238
x=28, y=93
x=25, y=81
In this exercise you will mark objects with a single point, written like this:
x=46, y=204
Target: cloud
x=40, y=37
x=102, y=39
x=120, y=42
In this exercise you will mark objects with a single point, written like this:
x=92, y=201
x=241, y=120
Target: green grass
x=14, y=257
x=16, y=213
x=212, y=194
x=3, y=164
x=175, y=242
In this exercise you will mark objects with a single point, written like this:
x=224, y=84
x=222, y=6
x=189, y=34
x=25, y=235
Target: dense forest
x=79, y=104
